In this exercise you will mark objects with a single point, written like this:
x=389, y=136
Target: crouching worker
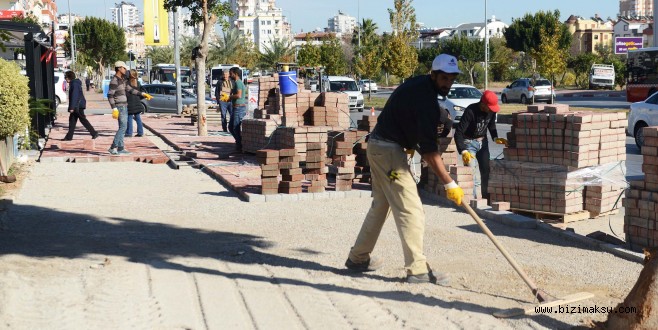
x=471, y=138
x=409, y=121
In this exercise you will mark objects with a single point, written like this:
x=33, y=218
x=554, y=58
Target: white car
x=368, y=85
x=642, y=114
x=460, y=97
x=340, y=84
x=61, y=92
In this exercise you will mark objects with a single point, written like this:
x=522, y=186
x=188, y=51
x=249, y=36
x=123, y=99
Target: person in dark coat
x=77, y=106
x=87, y=83
x=134, y=107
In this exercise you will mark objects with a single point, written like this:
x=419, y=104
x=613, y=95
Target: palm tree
x=224, y=50
x=160, y=54
x=368, y=33
x=280, y=51
x=187, y=46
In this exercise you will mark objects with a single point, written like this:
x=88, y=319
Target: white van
x=602, y=75
x=347, y=85
x=217, y=72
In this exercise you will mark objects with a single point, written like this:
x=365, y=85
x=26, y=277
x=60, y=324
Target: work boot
x=440, y=278
x=113, y=151
x=367, y=266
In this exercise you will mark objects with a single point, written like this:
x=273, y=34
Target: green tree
x=551, y=60
x=581, y=64
x=369, y=64
x=402, y=58
x=279, y=51
x=98, y=43
x=524, y=35
x=332, y=56
x=208, y=13
x=233, y=48
x=501, y=58
x=309, y=54
x=14, y=111
x=160, y=54
x=469, y=51
x=187, y=45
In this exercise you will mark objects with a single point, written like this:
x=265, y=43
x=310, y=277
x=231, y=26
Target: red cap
x=491, y=100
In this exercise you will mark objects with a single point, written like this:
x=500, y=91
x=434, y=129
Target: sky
x=307, y=15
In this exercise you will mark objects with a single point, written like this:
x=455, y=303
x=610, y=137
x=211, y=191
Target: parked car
x=642, y=114
x=460, y=97
x=340, y=84
x=525, y=91
x=368, y=85
x=61, y=92
x=164, y=98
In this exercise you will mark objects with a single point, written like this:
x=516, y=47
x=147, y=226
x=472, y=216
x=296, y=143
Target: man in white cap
x=119, y=86
x=408, y=123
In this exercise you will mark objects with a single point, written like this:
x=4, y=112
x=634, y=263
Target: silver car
x=459, y=97
x=642, y=114
x=526, y=91
x=164, y=98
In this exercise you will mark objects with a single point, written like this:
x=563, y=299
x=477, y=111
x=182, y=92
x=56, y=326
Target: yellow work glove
x=501, y=141
x=454, y=192
x=115, y=113
x=147, y=96
x=224, y=97
x=466, y=157
x=410, y=152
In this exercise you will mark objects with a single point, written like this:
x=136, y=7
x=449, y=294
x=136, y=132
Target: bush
x=14, y=95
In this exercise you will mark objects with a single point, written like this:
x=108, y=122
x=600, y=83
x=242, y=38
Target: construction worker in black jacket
x=471, y=138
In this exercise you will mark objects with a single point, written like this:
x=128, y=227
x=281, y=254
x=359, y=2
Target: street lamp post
x=71, y=36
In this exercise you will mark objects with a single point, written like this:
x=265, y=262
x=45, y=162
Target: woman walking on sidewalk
x=119, y=87
x=134, y=107
x=77, y=105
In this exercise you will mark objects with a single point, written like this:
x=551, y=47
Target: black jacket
x=76, y=97
x=474, y=125
x=134, y=104
x=412, y=115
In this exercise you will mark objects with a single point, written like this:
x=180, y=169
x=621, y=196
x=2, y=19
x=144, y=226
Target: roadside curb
x=523, y=222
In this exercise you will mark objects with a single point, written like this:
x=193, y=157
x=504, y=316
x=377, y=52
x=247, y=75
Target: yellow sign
x=156, y=23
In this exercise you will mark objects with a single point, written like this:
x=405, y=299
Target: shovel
x=541, y=296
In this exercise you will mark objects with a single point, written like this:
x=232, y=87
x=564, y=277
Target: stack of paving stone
x=266, y=87
x=547, y=145
x=574, y=139
x=343, y=161
x=462, y=175
x=269, y=165
x=318, y=115
x=337, y=109
x=367, y=123
x=291, y=172
x=602, y=199
x=641, y=218
x=362, y=169
x=298, y=137
x=258, y=134
x=290, y=111
x=315, y=168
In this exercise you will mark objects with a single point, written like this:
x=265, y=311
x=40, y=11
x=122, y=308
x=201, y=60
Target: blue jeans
x=123, y=122
x=235, y=125
x=138, y=119
x=227, y=110
x=480, y=165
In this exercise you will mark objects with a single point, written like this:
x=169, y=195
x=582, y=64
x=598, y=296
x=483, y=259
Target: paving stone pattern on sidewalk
x=114, y=245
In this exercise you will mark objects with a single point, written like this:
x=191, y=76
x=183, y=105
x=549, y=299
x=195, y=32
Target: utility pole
x=179, y=92
x=655, y=35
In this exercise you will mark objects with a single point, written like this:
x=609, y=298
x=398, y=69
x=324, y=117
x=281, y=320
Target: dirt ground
x=132, y=245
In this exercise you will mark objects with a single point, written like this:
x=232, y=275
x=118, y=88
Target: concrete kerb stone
x=519, y=221
x=255, y=198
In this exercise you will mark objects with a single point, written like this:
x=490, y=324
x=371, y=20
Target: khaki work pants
x=399, y=196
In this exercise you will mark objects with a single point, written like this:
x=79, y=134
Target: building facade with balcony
x=125, y=14
x=587, y=34
x=260, y=21
x=342, y=23
x=495, y=29
x=635, y=8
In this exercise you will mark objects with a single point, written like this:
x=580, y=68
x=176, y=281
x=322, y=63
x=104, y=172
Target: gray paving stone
x=321, y=195
x=520, y=221
x=305, y=197
x=289, y=197
x=255, y=198
x=352, y=194
x=623, y=253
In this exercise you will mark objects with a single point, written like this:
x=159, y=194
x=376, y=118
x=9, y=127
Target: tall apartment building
x=635, y=8
x=342, y=23
x=125, y=15
x=45, y=11
x=260, y=21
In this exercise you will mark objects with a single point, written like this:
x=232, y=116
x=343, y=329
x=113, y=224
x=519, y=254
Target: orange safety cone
x=372, y=111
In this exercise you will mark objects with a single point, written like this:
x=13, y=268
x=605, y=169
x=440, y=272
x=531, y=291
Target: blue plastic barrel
x=288, y=82
x=106, y=87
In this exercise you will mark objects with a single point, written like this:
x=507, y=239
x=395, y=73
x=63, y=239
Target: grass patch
x=377, y=102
